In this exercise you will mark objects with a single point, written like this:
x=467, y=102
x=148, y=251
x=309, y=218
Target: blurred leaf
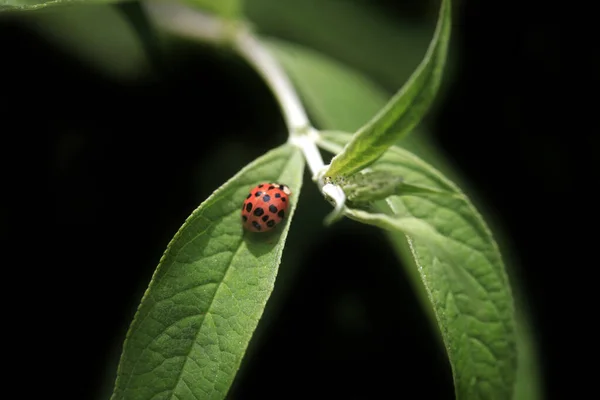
x=355, y=33
x=100, y=35
x=403, y=112
x=461, y=269
x=208, y=293
x=225, y=8
x=336, y=96
x=7, y=5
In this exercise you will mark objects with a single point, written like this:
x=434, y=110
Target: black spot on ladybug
x=244, y=218
x=266, y=198
x=248, y=207
x=261, y=185
x=281, y=187
x=281, y=214
x=258, y=194
x=271, y=223
x=277, y=195
x=271, y=188
x=256, y=225
x=258, y=212
x=265, y=218
x=283, y=199
x=272, y=208
x=249, y=194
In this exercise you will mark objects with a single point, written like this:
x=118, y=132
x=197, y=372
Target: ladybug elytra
x=265, y=207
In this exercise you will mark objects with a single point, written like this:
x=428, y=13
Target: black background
x=108, y=172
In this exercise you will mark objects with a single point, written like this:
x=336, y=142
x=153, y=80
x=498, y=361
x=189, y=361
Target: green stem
x=249, y=47
x=194, y=24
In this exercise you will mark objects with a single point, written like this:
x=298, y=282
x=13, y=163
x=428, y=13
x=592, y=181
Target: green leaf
x=403, y=112
x=384, y=47
x=208, y=293
x=7, y=5
x=225, y=8
x=339, y=98
x=336, y=96
x=368, y=186
x=461, y=270
x=99, y=35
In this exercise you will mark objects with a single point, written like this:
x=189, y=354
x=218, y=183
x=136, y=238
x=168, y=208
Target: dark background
x=118, y=167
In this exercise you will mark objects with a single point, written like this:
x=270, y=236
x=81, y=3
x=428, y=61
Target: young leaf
x=403, y=112
x=339, y=97
x=208, y=293
x=461, y=269
x=7, y=5
x=368, y=186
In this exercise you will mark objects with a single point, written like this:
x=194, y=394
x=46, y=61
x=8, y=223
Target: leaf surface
x=341, y=98
x=460, y=267
x=405, y=109
x=208, y=293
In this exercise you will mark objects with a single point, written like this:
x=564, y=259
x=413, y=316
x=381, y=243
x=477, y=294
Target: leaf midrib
x=208, y=202
x=206, y=314
x=156, y=302
x=208, y=310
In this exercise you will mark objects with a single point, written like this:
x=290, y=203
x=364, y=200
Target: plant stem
x=192, y=23
x=185, y=21
x=263, y=62
x=302, y=133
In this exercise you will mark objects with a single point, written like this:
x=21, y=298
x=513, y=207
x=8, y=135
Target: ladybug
x=265, y=207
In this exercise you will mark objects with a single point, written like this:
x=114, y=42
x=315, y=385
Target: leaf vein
x=208, y=311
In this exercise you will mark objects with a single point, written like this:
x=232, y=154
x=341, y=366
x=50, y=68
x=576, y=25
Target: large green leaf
x=37, y=4
x=404, y=111
x=461, y=269
x=322, y=83
x=208, y=293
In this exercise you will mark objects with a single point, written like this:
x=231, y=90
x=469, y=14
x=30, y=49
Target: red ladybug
x=265, y=207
